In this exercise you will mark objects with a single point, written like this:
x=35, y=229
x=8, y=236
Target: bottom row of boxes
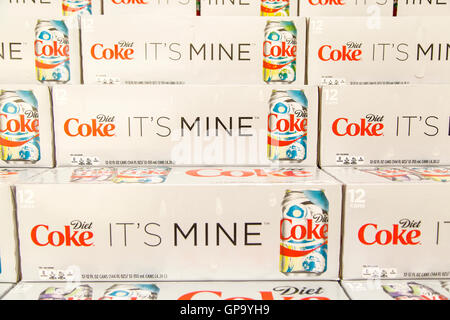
x=224, y=224
x=281, y=290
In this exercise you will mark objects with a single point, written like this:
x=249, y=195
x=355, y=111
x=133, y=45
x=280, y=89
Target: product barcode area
x=405, y=162
x=155, y=82
x=430, y=275
x=138, y=162
x=124, y=276
x=379, y=82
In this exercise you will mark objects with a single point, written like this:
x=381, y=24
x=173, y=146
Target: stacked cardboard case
x=390, y=154
x=194, y=142
x=9, y=258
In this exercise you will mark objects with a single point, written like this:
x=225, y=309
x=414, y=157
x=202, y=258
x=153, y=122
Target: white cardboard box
x=423, y=8
x=370, y=8
x=42, y=8
x=9, y=251
x=396, y=225
x=181, y=125
x=385, y=125
x=378, y=50
x=193, y=50
x=397, y=290
x=255, y=290
x=150, y=7
x=155, y=224
x=241, y=8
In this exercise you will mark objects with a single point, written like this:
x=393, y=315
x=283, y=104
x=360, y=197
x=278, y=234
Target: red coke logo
x=326, y=2
x=77, y=234
x=27, y=123
x=50, y=50
x=405, y=232
x=293, y=124
x=348, y=52
x=101, y=126
x=262, y=295
x=370, y=126
x=239, y=173
x=23, y=124
x=310, y=231
x=129, y=2
x=121, y=51
x=272, y=49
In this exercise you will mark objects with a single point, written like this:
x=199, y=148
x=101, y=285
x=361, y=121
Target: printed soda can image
x=304, y=232
x=394, y=174
x=138, y=291
x=142, y=175
x=280, y=52
x=19, y=127
x=412, y=291
x=6, y=173
x=92, y=175
x=275, y=8
x=51, y=49
x=81, y=292
x=287, y=126
x=430, y=173
x=76, y=7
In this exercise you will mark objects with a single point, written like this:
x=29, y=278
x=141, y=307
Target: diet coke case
x=264, y=8
x=241, y=50
x=50, y=8
x=263, y=290
x=8, y=238
x=391, y=215
x=26, y=126
x=283, y=224
x=378, y=50
x=371, y=8
x=385, y=125
x=42, y=51
x=423, y=8
x=397, y=290
x=168, y=7
x=9, y=254
x=186, y=125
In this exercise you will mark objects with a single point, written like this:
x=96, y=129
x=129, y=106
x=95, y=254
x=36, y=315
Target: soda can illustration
x=76, y=7
x=394, y=174
x=287, y=126
x=51, y=49
x=412, y=291
x=275, y=8
x=92, y=175
x=131, y=292
x=304, y=232
x=280, y=52
x=81, y=292
x=19, y=127
x=5, y=173
x=430, y=173
x=141, y=175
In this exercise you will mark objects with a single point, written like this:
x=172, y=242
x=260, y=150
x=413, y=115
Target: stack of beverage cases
x=246, y=148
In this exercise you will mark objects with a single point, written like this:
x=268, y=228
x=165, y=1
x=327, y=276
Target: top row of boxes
x=136, y=49
x=307, y=8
